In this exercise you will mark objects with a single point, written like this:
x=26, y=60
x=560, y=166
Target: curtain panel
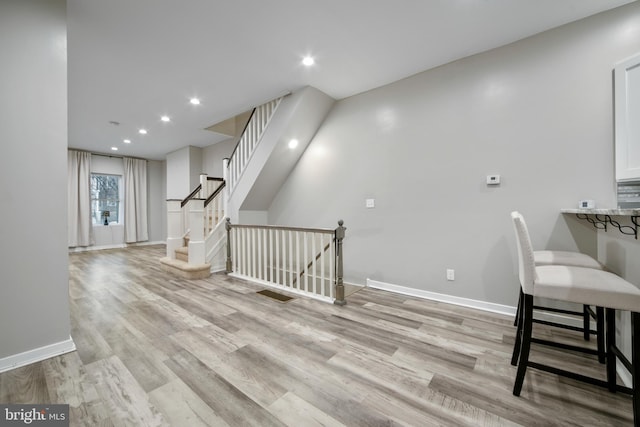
x=135, y=200
x=80, y=229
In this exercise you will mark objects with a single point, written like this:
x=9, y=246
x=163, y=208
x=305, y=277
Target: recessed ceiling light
x=165, y=119
x=194, y=101
x=126, y=141
x=308, y=61
x=293, y=143
x=142, y=131
x=114, y=148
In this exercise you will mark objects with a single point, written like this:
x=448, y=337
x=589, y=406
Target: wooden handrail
x=213, y=178
x=240, y=139
x=279, y=227
x=214, y=194
x=191, y=195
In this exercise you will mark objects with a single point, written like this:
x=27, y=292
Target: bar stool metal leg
x=611, y=343
x=635, y=364
x=526, y=323
x=586, y=323
x=600, y=335
x=518, y=324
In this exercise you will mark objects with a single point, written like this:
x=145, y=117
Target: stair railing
x=195, y=216
x=255, y=127
x=290, y=258
x=214, y=209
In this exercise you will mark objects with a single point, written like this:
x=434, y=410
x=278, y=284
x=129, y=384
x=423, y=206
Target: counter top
x=615, y=212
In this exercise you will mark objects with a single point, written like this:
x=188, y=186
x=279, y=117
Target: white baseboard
x=465, y=302
x=507, y=310
x=217, y=268
x=36, y=355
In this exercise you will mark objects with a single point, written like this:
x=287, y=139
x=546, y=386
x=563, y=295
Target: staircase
x=195, y=223
x=180, y=266
x=255, y=172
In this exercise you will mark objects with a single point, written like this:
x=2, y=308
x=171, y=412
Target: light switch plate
x=370, y=203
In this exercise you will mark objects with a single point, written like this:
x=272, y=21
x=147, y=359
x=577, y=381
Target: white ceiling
x=131, y=61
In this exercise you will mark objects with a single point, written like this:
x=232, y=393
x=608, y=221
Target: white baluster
x=332, y=258
x=244, y=251
x=265, y=254
x=305, y=260
x=277, y=256
x=290, y=255
x=297, y=249
x=254, y=253
x=315, y=264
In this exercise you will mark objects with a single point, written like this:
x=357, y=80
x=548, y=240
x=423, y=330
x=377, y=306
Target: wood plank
x=231, y=404
x=25, y=384
x=294, y=411
x=127, y=401
x=157, y=350
x=182, y=407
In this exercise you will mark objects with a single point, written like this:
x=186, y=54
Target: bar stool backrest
x=526, y=262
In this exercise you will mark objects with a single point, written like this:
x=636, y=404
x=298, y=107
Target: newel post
x=227, y=226
x=175, y=228
x=197, y=252
x=204, y=186
x=339, y=267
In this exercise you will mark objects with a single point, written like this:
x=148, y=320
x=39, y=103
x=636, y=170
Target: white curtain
x=80, y=229
x=135, y=200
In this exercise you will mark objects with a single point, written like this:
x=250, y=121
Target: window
x=105, y=199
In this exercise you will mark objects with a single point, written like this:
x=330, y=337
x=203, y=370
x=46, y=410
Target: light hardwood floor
x=155, y=350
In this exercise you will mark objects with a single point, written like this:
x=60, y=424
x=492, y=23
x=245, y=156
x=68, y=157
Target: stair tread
x=183, y=265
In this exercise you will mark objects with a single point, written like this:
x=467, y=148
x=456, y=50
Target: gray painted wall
x=34, y=307
x=183, y=168
x=156, y=196
x=213, y=155
x=538, y=112
x=178, y=177
x=195, y=168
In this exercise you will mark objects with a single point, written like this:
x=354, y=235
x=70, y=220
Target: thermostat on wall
x=493, y=179
x=587, y=204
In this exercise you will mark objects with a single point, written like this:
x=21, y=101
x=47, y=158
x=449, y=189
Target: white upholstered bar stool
x=574, y=259
x=583, y=286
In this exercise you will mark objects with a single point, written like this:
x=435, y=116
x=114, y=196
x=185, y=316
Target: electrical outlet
x=451, y=274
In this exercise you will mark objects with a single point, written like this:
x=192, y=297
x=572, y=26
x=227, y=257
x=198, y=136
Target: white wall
x=195, y=167
x=538, y=112
x=183, y=169
x=156, y=194
x=34, y=290
x=213, y=155
x=178, y=175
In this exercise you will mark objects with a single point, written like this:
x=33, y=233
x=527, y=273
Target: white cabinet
x=627, y=119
